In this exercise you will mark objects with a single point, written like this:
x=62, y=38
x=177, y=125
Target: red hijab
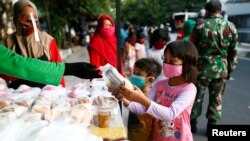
x=105, y=46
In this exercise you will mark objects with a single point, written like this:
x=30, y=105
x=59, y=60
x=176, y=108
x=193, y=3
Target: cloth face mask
x=171, y=70
x=108, y=31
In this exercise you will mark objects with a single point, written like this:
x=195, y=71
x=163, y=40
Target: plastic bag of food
x=113, y=78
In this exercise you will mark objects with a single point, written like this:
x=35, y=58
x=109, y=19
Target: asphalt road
x=236, y=101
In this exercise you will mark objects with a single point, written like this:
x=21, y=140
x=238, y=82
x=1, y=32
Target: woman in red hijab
x=103, y=48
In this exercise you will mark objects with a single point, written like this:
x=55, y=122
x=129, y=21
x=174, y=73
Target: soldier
x=216, y=41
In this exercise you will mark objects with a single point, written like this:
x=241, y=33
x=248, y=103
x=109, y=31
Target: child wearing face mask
x=170, y=101
x=129, y=53
x=146, y=70
x=159, y=40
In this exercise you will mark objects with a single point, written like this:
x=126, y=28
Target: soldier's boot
x=193, y=124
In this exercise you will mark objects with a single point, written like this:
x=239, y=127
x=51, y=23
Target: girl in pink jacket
x=170, y=100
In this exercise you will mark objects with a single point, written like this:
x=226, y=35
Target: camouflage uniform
x=216, y=41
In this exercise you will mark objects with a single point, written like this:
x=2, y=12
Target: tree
x=58, y=12
x=6, y=24
x=144, y=12
x=148, y=12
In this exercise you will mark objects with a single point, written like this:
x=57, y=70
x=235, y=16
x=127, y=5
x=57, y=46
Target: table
x=116, y=130
x=60, y=128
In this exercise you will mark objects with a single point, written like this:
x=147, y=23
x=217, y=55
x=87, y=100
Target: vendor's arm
x=29, y=68
x=41, y=71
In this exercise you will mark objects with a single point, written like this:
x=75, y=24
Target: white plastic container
x=113, y=78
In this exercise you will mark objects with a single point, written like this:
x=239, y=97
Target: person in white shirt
x=160, y=38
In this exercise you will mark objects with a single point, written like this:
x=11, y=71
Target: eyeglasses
x=172, y=60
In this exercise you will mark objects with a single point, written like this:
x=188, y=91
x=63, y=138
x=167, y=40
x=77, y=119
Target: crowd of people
x=202, y=56
x=170, y=77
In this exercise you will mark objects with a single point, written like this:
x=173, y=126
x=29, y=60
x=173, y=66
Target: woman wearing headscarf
x=103, y=48
x=28, y=42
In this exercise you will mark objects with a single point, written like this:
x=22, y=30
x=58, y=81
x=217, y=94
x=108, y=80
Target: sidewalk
x=244, y=50
x=75, y=54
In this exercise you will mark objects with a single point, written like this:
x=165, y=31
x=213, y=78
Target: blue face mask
x=138, y=81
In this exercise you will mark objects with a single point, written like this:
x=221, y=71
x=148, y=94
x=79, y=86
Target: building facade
x=238, y=12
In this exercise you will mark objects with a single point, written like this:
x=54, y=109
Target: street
x=236, y=101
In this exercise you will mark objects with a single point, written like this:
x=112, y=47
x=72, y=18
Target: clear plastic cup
x=104, y=117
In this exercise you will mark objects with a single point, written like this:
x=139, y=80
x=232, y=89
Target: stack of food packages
x=51, y=104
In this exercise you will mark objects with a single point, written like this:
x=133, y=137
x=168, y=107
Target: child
x=159, y=40
x=170, y=100
x=146, y=70
x=129, y=53
x=140, y=46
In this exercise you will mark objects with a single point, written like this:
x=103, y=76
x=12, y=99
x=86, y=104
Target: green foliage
x=148, y=12
x=58, y=12
x=144, y=12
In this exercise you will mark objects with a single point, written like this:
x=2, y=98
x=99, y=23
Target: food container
x=113, y=78
x=104, y=117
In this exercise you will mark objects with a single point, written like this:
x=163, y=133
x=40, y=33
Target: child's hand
x=135, y=95
x=126, y=95
x=132, y=95
x=116, y=93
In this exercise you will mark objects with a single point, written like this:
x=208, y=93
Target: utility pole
x=118, y=37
